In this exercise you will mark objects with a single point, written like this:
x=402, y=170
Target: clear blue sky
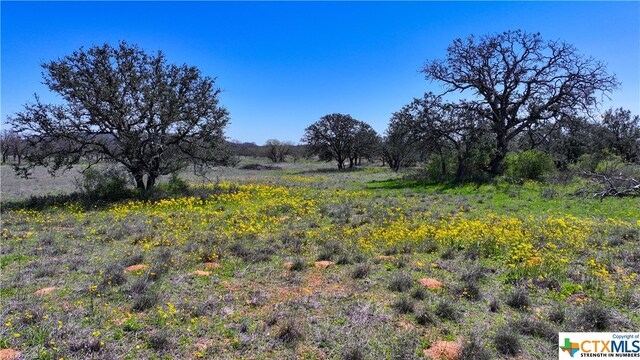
x=283, y=65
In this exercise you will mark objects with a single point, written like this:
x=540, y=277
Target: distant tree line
x=515, y=93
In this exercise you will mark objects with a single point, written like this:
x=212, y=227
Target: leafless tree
x=518, y=80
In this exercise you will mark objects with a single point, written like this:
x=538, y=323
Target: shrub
x=403, y=305
x=113, y=275
x=159, y=340
x=445, y=310
x=594, y=317
x=494, y=305
x=419, y=293
x=298, y=264
x=468, y=290
x=353, y=352
x=289, y=333
x=175, y=186
x=361, y=271
x=401, y=283
x=536, y=327
x=425, y=317
x=529, y=165
x=474, y=350
x=557, y=315
x=109, y=184
x=507, y=341
x=519, y=299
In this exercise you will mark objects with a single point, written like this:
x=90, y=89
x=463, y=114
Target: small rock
x=577, y=297
x=211, y=265
x=9, y=354
x=138, y=267
x=44, y=291
x=444, y=350
x=324, y=264
x=201, y=273
x=430, y=283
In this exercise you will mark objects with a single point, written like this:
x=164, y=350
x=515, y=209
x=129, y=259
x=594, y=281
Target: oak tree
x=128, y=107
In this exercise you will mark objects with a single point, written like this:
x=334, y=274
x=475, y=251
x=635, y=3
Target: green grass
x=254, y=306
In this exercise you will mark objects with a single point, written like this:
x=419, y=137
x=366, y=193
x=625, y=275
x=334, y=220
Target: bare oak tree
x=339, y=137
x=128, y=107
x=277, y=150
x=519, y=80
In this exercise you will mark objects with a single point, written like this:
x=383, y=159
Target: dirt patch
x=44, y=291
x=430, y=283
x=324, y=264
x=9, y=354
x=385, y=257
x=444, y=350
x=201, y=273
x=137, y=267
x=211, y=265
x=287, y=264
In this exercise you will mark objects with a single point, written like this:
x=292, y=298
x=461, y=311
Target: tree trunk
x=497, y=163
x=460, y=168
x=139, y=178
x=151, y=181
x=443, y=164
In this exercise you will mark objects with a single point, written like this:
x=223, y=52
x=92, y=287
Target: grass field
x=307, y=262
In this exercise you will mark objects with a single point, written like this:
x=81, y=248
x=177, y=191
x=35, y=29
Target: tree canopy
x=518, y=80
x=340, y=137
x=123, y=105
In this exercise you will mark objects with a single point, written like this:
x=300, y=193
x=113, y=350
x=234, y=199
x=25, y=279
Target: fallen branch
x=617, y=186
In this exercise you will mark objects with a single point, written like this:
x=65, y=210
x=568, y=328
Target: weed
x=593, y=316
x=361, y=271
x=507, y=342
x=353, y=352
x=298, y=264
x=159, y=340
x=132, y=260
x=467, y=290
x=401, y=282
x=519, y=299
x=445, y=310
x=494, y=305
x=473, y=274
x=536, y=327
x=474, y=350
x=403, y=305
x=557, y=314
x=289, y=332
x=448, y=254
x=113, y=275
x=146, y=300
x=419, y=293
x=425, y=317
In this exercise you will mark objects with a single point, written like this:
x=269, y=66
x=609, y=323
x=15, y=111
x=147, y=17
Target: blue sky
x=283, y=65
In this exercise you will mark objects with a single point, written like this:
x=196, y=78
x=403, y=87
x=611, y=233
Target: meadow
x=308, y=262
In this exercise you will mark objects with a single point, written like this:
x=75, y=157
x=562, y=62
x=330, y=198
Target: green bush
x=109, y=184
x=175, y=186
x=529, y=165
